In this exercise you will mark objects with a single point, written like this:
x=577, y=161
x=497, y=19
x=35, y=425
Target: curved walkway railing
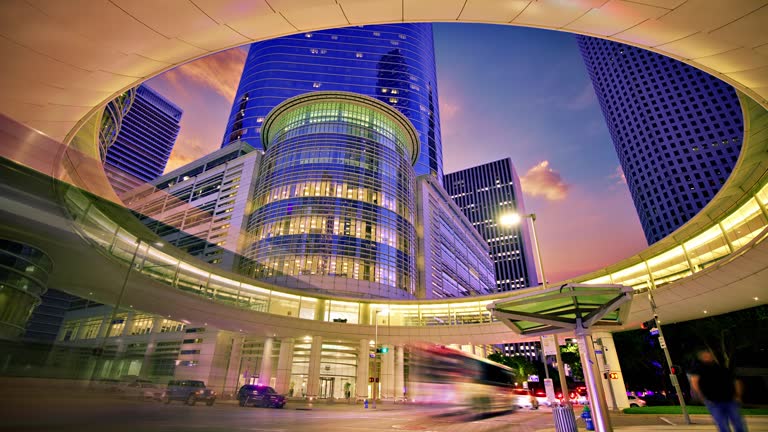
x=736, y=216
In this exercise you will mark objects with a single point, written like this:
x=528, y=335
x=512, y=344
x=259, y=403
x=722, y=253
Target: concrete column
x=608, y=362
x=594, y=386
x=233, y=373
x=146, y=364
x=127, y=324
x=315, y=355
x=388, y=374
x=284, y=366
x=265, y=371
x=363, y=370
x=399, y=372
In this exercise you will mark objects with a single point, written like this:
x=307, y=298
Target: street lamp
x=376, y=353
x=514, y=219
x=100, y=349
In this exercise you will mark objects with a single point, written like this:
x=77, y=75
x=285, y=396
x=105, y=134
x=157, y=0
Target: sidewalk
x=701, y=423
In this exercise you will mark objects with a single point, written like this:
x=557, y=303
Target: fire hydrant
x=366, y=404
x=587, y=416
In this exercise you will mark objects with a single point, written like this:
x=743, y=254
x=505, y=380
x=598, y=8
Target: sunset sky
x=504, y=92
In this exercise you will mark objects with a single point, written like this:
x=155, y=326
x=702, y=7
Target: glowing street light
x=514, y=219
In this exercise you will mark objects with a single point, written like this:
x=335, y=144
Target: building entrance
x=326, y=387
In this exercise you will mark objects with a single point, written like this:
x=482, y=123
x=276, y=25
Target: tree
x=523, y=367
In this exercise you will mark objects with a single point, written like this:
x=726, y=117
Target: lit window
x=316, y=85
x=395, y=91
x=359, y=55
x=376, y=33
x=384, y=90
x=334, y=37
x=260, y=120
x=393, y=100
x=314, y=50
x=307, y=35
x=394, y=43
x=401, y=36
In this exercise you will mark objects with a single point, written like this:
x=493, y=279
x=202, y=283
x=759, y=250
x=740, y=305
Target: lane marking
x=667, y=421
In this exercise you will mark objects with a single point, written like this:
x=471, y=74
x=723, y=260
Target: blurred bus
x=441, y=375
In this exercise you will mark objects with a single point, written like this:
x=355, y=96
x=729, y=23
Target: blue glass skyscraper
x=392, y=63
x=677, y=130
x=144, y=143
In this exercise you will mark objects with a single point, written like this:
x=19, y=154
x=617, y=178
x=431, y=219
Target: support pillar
x=265, y=371
x=315, y=355
x=399, y=372
x=388, y=374
x=146, y=364
x=591, y=378
x=363, y=370
x=608, y=363
x=284, y=366
x=233, y=373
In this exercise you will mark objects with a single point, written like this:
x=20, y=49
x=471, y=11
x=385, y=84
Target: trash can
x=564, y=419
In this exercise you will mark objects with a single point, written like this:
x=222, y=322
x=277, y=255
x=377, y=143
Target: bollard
x=366, y=404
x=587, y=416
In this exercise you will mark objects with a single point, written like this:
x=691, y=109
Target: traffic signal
x=382, y=350
x=650, y=325
x=674, y=370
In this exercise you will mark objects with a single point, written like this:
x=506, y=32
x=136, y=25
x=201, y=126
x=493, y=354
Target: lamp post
x=100, y=349
x=514, y=219
x=376, y=353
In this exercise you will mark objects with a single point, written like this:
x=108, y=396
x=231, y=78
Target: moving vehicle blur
x=258, y=395
x=635, y=401
x=441, y=375
x=524, y=398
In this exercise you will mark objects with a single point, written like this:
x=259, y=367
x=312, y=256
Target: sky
x=503, y=92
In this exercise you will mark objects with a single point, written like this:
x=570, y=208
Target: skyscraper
x=485, y=193
x=677, y=130
x=144, y=143
x=334, y=207
x=393, y=63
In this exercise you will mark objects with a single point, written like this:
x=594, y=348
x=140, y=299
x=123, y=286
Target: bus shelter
x=577, y=308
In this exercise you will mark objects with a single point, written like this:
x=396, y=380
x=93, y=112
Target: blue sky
x=504, y=92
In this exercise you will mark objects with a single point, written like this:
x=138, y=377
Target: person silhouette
x=721, y=393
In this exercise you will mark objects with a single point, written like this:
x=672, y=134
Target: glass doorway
x=326, y=387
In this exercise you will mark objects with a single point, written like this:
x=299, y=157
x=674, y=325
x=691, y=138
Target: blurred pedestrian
x=720, y=391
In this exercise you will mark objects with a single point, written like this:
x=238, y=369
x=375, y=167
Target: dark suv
x=258, y=395
x=189, y=391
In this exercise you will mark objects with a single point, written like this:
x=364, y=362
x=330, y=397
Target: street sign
x=662, y=342
x=614, y=375
x=533, y=378
x=548, y=345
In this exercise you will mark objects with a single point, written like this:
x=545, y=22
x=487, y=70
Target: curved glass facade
x=334, y=206
x=394, y=63
x=24, y=274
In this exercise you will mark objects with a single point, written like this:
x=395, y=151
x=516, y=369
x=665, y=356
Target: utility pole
x=663, y=344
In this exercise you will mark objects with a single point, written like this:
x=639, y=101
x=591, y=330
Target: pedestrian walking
x=720, y=391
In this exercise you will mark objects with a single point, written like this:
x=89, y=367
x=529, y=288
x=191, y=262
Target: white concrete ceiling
x=62, y=59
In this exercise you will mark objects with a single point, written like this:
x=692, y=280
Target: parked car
x=142, y=389
x=188, y=391
x=524, y=398
x=635, y=401
x=259, y=395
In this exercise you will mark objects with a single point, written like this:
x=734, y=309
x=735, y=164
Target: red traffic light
x=648, y=324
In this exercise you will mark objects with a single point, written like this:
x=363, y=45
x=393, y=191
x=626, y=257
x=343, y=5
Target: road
x=87, y=412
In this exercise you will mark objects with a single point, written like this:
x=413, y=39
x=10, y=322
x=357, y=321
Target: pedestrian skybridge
x=67, y=63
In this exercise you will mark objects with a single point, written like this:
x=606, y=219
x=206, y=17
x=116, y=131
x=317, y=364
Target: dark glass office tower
x=485, y=193
x=677, y=130
x=393, y=63
x=144, y=143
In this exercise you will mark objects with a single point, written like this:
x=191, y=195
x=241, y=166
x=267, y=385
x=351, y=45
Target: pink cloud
x=218, y=72
x=618, y=176
x=543, y=181
x=188, y=149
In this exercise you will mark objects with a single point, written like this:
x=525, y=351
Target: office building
x=202, y=208
x=677, y=130
x=484, y=194
x=334, y=207
x=393, y=63
x=453, y=259
x=143, y=145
